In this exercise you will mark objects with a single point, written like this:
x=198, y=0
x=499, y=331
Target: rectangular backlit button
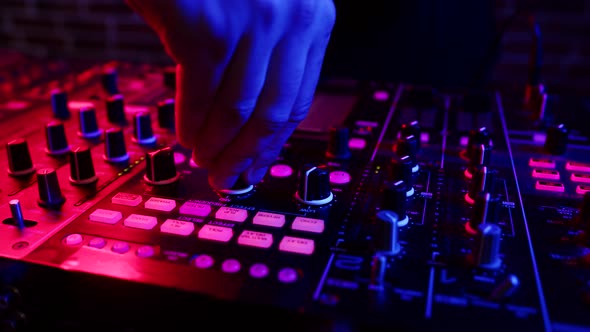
x=308, y=224
x=577, y=167
x=126, y=199
x=216, y=233
x=160, y=204
x=297, y=245
x=140, y=221
x=582, y=189
x=231, y=214
x=105, y=216
x=269, y=219
x=195, y=209
x=546, y=174
x=579, y=177
x=550, y=186
x=542, y=163
x=255, y=239
x=178, y=227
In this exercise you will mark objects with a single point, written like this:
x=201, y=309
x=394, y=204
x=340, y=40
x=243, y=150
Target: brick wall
x=108, y=29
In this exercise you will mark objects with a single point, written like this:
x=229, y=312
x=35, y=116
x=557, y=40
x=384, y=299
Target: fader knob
x=142, y=129
x=160, y=167
x=487, y=253
x=557, y=139
x=480, y=155
x=476, y=138
x=413, y=129
x=116, y=109
x=81, y=166
x=88, y=124
x=408, y=146
x=338, y=143
x=55, y=136
x=482, y=180
x=166, y=114
x=115, y=150
x=50, y=195
x=386, y=237
x=19, y=158
x=314, y=185
x=394, y=199
x=485, y=210
x=401, y=169
x=59, y=104
x=109, y=81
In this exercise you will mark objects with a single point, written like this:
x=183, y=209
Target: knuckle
x=268, y=10
x=300, y=111
x=239, y=111
x=313, y=13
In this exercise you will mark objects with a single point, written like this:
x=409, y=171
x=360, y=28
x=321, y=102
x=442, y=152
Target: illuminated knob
x=115, y=150
x=314, y=185
x=476, y=138
x=411, y=129
x=166, y=114
x=142, y=129
x=401, y=169
x=556, y=139
x=59, y=104
x=483, y=179
x=19, y=158
x=394, y=199
x=109, y=81
x=487, y=253
x=116, y=109
x=386, y=235
x=160, y=167
x=88, y=124
x=81, y=166
x=338, y=143
x=485, y=210
x=479, y=156
x=408, y=146
x=55, y=136
x=50, y=195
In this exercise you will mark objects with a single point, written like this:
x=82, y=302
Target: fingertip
x=218, y=182
x=256, y=175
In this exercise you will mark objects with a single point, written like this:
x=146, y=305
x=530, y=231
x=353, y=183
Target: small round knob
x=19, y=158
x=408, y=146
x=411, y=129
x=166, y=114
x=485, y=210
x=88, y=123
x=483, y=179
x=81, y=166
x=556, y=139
x=115, y=105
x=59, y=104
x=142, y=129
x=115, y=150
x=401, y=169
x=386, y=237
x=160, y=167
x=476, y=138
x=394, y=199
x=314, y=185
x=487, y=253
x=338, y=143
x=55, y=136
x=109, y=80
x=50, y=195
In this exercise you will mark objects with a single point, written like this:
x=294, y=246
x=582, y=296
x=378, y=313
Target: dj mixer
x=393, y=206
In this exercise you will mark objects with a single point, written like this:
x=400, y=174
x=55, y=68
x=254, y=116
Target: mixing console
x=392, y=207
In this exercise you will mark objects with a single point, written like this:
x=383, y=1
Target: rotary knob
x=115, y=105
x=411, y=129
x=485, y=210
x=166, y=114
x=160, y=167
x=394, y=199
x=408, y=146
x=401, y=169
x=88, y=123
x=59, y=104
x=81, y=166
x=109, y=80
x=476, y=138
x=556, y=139
x=55, y=136
x=115, y=150
x=50, y=195
x=314, y=185
x=487, y=253
x=386, y=237
x=143, y=133
x=338, y=143
x=19, y=158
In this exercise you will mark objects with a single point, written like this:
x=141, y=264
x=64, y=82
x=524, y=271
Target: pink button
x=73, y=239
x=203, y=261
x=97, y=242
x=287, y=275
x=231, y=266
x=339, y=177
x=259, y=270
x=281, y=171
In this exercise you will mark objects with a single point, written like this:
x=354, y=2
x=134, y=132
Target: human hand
x=247, y=71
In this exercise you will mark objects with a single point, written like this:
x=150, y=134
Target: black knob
x=485, y=210
x=386, y=236
x=480, y=155
x=19, y=158
x=408, y=146
x=109, y=81
x=338, y=143
x=160, y=167
x=55, y=136
x=401, y=169
x=50, y=195
x=88, y=123
x=483, y=179
x=81, y=166
x=142, y=129
x=557, y=139
x=411, y=129
x=487, y=252
x=59, y=104
x=169, y=77
x=115, y=150
x=394, y=199
x=166, y=114
x=116, y=109
x=314, y=185
x=476, y=138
